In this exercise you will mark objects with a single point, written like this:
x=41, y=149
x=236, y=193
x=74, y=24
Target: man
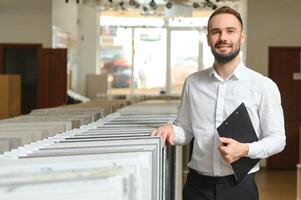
x=208, y=97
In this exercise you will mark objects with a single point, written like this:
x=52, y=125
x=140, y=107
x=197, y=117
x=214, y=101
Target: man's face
x=224, y=37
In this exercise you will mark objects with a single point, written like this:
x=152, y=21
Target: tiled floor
x=276, y=184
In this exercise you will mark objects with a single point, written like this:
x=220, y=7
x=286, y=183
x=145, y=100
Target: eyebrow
x=228, y=28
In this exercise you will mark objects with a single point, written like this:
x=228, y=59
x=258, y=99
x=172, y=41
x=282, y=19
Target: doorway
x=284, y=64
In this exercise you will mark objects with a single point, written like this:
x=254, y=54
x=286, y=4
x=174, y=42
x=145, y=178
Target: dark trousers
x=199, y=187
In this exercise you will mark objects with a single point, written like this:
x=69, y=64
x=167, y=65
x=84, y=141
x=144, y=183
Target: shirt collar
x=238, y=73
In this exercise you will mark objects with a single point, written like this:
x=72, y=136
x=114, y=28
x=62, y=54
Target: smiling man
x=225, y=34
x=208, y=98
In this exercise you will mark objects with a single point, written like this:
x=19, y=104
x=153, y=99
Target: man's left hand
x=231, y=150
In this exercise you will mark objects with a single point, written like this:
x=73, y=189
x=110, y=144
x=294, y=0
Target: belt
x=212, y=179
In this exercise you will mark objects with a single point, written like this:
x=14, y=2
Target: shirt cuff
x=180, y=136
x=252, y=150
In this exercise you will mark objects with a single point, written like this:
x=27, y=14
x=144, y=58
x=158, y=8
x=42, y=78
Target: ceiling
x=157, y=7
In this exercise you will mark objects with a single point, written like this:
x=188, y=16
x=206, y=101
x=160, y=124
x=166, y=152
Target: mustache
x=222, y=43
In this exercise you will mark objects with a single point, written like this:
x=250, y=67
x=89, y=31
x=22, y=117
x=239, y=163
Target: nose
x=223, y=35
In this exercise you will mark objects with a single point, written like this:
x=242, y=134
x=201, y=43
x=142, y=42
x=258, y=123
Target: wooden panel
x=283, y=63
x=22, y=59
x=47, y=86
x=43, y=79
x=1, y=60
x=58, y=73
x=289, y=157
x=299, y=181
x=52, y=79
x=15, y=95
x=299, y=145
x=4, y=93
x=10, y=93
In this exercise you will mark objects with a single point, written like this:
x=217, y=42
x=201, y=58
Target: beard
x=224, y=58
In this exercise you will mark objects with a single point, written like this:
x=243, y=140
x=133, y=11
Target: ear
x=243, y=37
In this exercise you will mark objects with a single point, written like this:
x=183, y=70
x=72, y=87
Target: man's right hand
x=166, y=133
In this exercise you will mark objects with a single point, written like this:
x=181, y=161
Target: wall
x=243, y=8
x=65, y=16
x=26, y=21
x=88, y=44
x=271, y=23
x=81, y=23
x=65, y=20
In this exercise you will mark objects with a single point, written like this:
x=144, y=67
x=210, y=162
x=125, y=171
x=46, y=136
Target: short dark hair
x=225, y=10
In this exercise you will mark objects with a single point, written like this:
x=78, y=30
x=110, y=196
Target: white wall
x=80, y=22
x=31, y=21
x=25, y=21
x=65, y=19
x=271, y=23
x=65, y=16
x=243, y=8
x=88, y=44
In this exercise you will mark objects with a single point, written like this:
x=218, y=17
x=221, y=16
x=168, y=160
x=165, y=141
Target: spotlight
x=153, y=5
x=209, y=4
x=66, y=1
x=195, y=5
x=168, y=5
x=145, y=9
x=132, y=2
x=121, y=4
x=77, y=1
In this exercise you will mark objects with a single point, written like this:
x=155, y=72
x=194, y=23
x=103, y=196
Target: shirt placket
x=218, y=120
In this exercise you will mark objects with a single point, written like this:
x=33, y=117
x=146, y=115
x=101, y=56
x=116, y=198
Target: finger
x=228, y=160
x=163, y=138
x=225, y=158
x=171, y=138
x=222, y=144
x=154, y=132
x=222, y=149
x=225, y=140
x=232, y=159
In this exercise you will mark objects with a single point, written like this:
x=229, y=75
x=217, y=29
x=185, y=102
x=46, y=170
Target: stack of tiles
x=43, y=123
x=112, y=158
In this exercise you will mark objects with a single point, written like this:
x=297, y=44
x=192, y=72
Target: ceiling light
x=168, y=5
x=195, y=5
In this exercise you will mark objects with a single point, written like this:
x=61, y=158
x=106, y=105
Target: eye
x=231, y=30
x=214, y=32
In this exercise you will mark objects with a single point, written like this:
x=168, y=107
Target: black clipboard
x=238, y=126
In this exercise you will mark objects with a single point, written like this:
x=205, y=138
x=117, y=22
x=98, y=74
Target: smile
x=223, y=46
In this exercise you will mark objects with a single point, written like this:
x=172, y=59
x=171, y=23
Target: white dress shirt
x=207, y=100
